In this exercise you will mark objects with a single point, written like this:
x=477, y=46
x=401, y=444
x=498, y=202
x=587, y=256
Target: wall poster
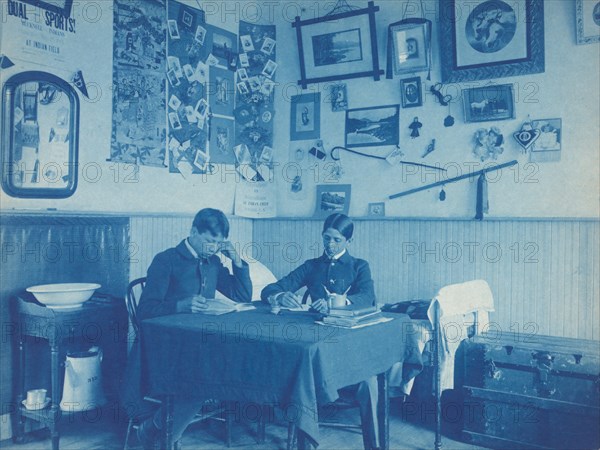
x=139, y=53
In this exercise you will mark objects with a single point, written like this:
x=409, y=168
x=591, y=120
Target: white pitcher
x=82, y=389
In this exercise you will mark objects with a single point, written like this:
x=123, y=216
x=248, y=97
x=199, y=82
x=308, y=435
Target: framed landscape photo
x=332, y=198
x=411, y=93
x=305, y=117
x=587, y=15
x=410, y=45
x=494, y=102
x=483, y=39
x=375, y=126
x=338, y=46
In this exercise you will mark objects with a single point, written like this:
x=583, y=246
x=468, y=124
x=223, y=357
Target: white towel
x=455, y=301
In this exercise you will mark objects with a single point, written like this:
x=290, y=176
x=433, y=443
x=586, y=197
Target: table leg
x=383, y=412
x=55, y=408
x=437, y=341
x=19, y=419
x=168, y=422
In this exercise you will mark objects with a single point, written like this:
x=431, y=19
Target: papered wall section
x=255, y=93
x=138, y=121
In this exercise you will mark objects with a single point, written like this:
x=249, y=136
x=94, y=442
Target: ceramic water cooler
x=82, y=389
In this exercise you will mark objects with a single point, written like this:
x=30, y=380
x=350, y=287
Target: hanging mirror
x=40, y=128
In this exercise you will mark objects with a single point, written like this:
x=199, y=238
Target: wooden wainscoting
x=543, y=272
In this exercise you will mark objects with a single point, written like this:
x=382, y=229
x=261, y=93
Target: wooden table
x=100, y=321
x=286, y=360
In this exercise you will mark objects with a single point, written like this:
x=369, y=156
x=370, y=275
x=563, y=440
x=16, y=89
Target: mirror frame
x=7, y=141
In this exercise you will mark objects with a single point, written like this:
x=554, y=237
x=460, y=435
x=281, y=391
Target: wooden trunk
x=530, y=391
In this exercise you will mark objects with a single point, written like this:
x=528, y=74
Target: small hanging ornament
x=429, y=149
x=527, y=135
x=442, y=195
x=414, y=126
x=449, y=120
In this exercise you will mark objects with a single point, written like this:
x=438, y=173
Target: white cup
x=36, y=396
x=337, y=300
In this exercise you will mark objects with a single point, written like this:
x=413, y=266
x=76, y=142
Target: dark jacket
x=176, y=274
x=337, y=275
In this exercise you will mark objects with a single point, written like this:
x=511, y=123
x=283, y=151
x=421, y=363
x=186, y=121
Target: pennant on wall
x=79, y=82
x=5, y=62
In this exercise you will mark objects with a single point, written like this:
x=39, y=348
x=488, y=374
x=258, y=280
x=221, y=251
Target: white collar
x=339, y=255
x=191, y=249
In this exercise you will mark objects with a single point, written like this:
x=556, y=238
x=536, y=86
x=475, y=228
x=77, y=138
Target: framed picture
x=305, y=117
x=376, y=209
x=410, y=92
x=332, y=198
x=338, y=46
x=339, y=97
x=410, y=45
x=489, y=103
x=482, y=39
x=221, y=89
x=62, y=7
x=587, y=15
x=374, y=126
x=547, y=147
x=221, y=138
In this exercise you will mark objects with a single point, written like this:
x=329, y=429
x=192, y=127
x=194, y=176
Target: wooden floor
x=107, y=433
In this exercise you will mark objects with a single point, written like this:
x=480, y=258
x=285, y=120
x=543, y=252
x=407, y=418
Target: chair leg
x=129, y=427
x=261, y=425
x=292, y=430
x=228, y=424
x=303, y=442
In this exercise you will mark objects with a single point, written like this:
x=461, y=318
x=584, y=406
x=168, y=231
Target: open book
x=218, y=306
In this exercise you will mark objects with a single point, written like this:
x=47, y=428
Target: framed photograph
x=221, y=89
x=482, y=39
x=62, y=7
x=410, y=45
x=411, y=93
x=339, y=97
x=332, y=198
x=587, y=15
x=223, y=46
x=173, y=29
x=547, y=147
x=221, y=141
x=200, y=35
x=187, y=18
x=376, y=209
x=489, y=103
x=338, y=46
x=269, y=69
x=268, y=46
x=305, y=120
x=376, y=126
x=247, y=44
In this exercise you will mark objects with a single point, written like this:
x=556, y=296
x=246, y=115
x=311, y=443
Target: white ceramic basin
x=63, y=295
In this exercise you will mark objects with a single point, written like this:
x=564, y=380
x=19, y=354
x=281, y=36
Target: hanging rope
x=340, y=7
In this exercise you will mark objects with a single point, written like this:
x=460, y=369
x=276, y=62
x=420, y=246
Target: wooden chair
x=211, y=409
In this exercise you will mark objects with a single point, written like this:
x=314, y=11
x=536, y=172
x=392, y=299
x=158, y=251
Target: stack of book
x=349, y=317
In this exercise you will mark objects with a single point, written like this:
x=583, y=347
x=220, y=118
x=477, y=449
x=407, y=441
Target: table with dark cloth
x=286, y=360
